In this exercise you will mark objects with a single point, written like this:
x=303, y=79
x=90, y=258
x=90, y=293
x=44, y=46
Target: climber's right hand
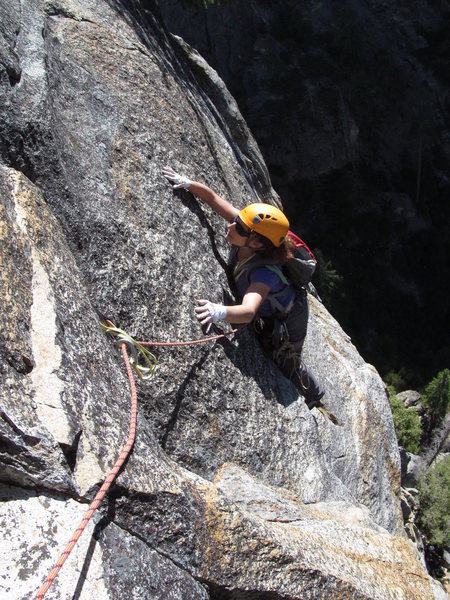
x=208, y=313
x=178, y=181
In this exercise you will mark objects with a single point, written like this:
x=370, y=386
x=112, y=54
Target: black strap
x=255, y=262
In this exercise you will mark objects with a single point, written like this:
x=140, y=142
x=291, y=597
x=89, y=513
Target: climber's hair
x=279, y=254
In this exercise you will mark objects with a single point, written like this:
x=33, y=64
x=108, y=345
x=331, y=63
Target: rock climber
x=258, y=238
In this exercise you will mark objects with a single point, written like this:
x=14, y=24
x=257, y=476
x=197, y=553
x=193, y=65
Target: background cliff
x=349, y=103
x=234, y=489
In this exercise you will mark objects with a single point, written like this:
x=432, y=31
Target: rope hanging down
x=145, y=371
x=106, y=484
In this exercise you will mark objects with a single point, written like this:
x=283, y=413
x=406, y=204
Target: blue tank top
x=244, y=276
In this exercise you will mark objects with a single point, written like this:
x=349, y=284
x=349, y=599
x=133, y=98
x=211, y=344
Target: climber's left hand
x=178, y=181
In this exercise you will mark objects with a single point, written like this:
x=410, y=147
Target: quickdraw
x=143, y=371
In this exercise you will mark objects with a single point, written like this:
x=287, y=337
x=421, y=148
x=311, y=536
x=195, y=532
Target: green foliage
x=436, y=396
x=326, y=279
x=434, y=504
x=403, y=379
x=395, y=380
x=406, y=423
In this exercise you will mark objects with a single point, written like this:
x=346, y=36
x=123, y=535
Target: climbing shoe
x=320, y=407
x=326, y=413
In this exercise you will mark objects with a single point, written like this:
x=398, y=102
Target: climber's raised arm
x=218, y=204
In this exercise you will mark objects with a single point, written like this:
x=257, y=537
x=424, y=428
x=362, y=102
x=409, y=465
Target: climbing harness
x=144, y=371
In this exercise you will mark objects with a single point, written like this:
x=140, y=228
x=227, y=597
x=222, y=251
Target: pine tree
x=437, y=397
x=434, y=502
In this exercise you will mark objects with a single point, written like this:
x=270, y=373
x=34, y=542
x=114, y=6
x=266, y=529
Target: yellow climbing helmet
x=267, y=220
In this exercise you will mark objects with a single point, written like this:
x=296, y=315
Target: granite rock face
x=234, y=489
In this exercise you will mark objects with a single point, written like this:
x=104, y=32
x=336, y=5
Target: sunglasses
x=239, y=228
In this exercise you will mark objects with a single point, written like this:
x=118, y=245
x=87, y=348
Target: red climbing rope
x=203, y=340
x=106, y=484
x=190, y=342
x=123, y=456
